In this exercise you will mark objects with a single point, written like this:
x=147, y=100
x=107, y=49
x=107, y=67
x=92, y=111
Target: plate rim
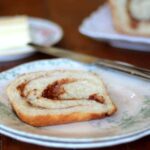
x=144, y=132
x=59, y=144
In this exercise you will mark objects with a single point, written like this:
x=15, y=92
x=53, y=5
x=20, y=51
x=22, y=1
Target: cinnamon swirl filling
x=62, y=89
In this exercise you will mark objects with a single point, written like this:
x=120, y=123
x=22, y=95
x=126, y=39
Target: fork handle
x=124, y=69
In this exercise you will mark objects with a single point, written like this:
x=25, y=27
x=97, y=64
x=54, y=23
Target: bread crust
x=45, y=120
x=126, y=28
x=114, y=17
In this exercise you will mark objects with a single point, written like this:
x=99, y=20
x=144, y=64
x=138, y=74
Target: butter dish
x=17, y=31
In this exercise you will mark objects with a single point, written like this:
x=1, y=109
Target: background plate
x=99, y=26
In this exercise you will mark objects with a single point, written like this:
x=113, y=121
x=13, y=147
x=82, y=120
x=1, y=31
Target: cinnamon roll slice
x=59, y=96
x=131, y=16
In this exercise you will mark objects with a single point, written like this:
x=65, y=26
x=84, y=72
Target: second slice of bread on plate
x=59, y=96
x=131, y=16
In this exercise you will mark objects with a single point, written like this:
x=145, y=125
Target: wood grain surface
x=69, y=14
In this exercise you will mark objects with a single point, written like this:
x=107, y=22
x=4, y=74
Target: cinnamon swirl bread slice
x=131, y=16
x=60, y=96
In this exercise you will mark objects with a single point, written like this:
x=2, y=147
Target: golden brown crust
x=45, y=120
x=114, y=18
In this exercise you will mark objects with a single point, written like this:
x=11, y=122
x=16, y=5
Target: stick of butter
x=14, y=32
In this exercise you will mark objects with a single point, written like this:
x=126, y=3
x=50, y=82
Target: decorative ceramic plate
x=130, y=94
x=99, y=26
x=43, y=32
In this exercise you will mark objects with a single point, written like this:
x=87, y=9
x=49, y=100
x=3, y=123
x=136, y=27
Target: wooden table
x=69, y=14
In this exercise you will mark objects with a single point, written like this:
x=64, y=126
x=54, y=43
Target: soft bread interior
x=140, y=9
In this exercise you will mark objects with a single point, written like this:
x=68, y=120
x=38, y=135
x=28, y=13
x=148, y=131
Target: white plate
x=43, y=32
x=131, y=122
x=99, y=25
